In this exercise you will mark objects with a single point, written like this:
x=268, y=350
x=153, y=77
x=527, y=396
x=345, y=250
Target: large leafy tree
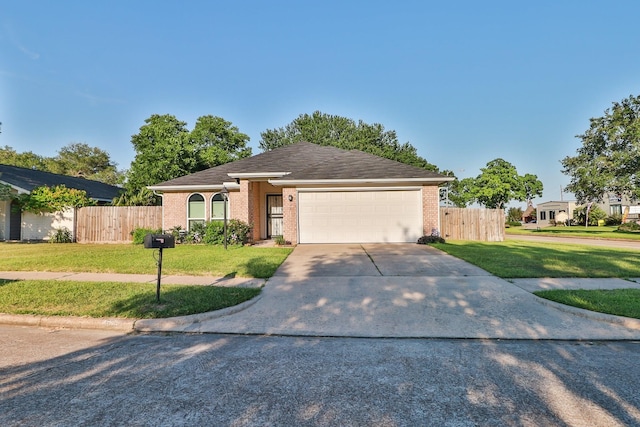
x=80, y=159
x=75, y=159
x=216, y=142
x=28, y=159
x=609, y=160
x=166, y=149
x=342, y=132
x=498, y=184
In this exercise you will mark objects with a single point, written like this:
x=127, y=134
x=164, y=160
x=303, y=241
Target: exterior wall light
x=290, y=198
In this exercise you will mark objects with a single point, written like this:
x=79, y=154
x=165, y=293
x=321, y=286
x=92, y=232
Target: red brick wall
x=290, y=215
x=430, y=208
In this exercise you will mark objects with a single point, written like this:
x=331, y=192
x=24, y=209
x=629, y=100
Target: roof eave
x=194, y=187
x=433, y=181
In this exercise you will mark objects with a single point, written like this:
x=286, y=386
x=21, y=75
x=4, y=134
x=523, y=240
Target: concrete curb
x=172, y=323
x=627, y=322
x=121, y=324
x=68, y=322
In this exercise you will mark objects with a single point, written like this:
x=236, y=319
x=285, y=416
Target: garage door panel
x=360, y=217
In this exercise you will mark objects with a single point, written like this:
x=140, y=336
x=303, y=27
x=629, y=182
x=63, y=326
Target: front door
x=274, y=215
x=15, y=221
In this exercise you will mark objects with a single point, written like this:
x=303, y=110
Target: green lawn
x=108, y=299
x=621, y=302
x=576, y=231
x=200, y=260
x=524, y=259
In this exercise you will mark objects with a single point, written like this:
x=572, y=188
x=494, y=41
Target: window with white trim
x=195, y=210
x=217, y=207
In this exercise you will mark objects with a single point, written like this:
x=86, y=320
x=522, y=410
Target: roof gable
x=28, y=179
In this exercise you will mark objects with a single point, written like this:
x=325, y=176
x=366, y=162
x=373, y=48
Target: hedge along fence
x=472, y=224
x=114, y=224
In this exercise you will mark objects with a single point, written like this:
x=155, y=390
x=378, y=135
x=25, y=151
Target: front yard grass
x=593, y=232
x=109, y=299
x=621, y=302
x=201, y=260
x=524, y=259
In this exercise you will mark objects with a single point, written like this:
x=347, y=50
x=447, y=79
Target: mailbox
x=159, y=241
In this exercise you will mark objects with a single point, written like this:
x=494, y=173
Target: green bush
x=613, y=220
x=279, y=240
x=513, y=223
x=595, y=214
x=61, y=235
x=214, y=233
x=196, y=232
x=629, y=226
x=425, y=240
x=139, y=233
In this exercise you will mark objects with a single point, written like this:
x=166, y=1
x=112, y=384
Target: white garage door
x=360, y=216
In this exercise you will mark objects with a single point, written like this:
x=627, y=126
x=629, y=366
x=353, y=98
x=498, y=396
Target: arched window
x=217, y=208
x=195, y=210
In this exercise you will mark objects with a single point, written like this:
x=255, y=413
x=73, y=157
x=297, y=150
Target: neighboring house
x=16, y=225
x=547, y=212
x=527, y=215
x=613, y=206
x=309, y=193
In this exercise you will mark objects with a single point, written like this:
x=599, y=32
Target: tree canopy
x=166, y=149
x=75, y=159
x=496, y=185
x=342, y=132
x=609, y=160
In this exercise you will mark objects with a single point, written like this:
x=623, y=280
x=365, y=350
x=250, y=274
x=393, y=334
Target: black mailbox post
x=159, y=242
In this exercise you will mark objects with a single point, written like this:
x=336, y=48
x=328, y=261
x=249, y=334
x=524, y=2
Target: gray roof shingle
x=307, y=161
x=28, y=179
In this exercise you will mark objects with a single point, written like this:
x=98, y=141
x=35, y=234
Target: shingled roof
x=304, y=161
x=27, y=179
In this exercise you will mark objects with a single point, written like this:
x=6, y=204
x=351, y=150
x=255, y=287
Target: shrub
x=629, y=226
x=214, y=233
x=196, y=233
x=595, y=214
x=425, y=240
x=513, y=223
x=139, y=233
x=613, y=220
x=279, y=240
x=61, y=235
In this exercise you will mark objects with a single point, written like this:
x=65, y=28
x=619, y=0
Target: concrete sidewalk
x=376, y=291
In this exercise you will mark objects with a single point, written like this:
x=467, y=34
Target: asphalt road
x=98, y=378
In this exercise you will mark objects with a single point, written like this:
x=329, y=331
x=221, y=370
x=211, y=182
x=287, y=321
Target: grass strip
x=110, y=299
x=605, y=232
x=621, y=302
x=524, y=259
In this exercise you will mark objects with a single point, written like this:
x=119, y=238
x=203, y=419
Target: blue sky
x=465, y=82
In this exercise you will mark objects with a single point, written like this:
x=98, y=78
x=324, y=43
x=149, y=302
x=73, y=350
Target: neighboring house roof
x=306, y=162
x=25, y=180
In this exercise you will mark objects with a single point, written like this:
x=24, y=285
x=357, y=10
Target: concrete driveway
x=397, y=290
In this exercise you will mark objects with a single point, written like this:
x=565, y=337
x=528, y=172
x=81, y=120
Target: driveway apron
x=399, y=290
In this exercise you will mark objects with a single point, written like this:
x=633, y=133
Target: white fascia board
x=214, y=187
x=249, y=175
x=20, y=190
x=184, y=187
x=359, y=181
x=377, y=188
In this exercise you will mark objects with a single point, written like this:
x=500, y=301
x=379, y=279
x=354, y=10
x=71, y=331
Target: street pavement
x=62, y=377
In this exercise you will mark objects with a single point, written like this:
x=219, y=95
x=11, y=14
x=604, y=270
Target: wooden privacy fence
x=472, y=224
x=114, y=224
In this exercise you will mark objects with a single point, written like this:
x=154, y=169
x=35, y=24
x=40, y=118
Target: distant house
x=548, y=212
x=16, y=225
x=309, y=193
x=527, y=215
x=613, y=206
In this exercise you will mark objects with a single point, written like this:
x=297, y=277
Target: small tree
x=595, y=214
x=52, y=199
